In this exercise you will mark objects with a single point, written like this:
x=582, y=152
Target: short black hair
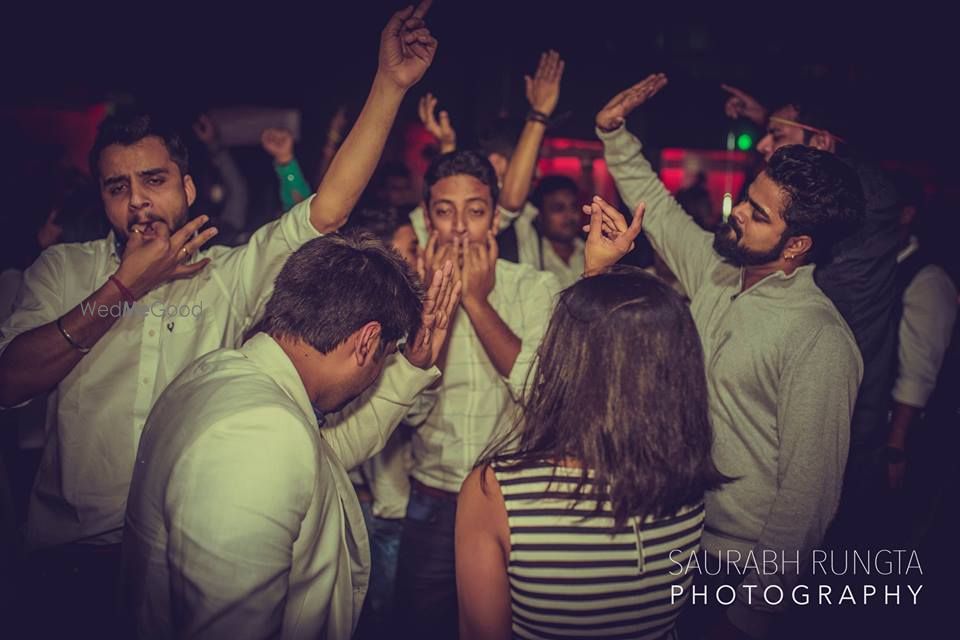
x=458, y=163
x=379, y=221
x=821, y=109
x=127, y=129
x=551, y=184
x=333, y=285
x=824, y=197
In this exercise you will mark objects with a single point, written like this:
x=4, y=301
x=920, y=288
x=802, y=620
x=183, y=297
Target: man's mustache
x=145, y=220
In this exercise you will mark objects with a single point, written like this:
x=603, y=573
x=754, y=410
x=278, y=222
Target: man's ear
x=824, y=141
x=798, y=248
x=190, y=189
x=496, y=219
x=367, y=342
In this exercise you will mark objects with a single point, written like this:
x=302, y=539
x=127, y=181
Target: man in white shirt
x=929, y=311
x=492, y=342
x=241, y=520
x=108, y=324
x=550, y=238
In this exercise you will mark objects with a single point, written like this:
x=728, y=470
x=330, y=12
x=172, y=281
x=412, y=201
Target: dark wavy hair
x=333, y=285
x=619, y=386
x=456, y=163
x=824, y=198
x=127, y=129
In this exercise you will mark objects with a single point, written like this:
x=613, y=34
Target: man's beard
x=725, y=243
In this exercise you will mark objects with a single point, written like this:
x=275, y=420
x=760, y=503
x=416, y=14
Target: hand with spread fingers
x=543, y=89
x=615, y=112
x=440, y=128
x=406, y=47
x=743, y=105
x=148, y=263
x=438, y=309
x=610, y=237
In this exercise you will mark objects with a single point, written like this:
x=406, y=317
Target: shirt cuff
x=611, y=136
x=912, y=393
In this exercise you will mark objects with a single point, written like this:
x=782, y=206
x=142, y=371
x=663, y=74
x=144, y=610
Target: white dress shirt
x=929, y=311
x=98, y=410
x=538, y=252
x=242, y=522
x=473, y=402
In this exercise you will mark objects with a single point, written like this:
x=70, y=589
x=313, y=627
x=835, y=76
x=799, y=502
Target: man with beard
x=782, y=366
x=108, y=324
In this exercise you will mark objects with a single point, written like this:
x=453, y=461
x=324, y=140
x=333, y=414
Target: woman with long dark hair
x=580, y=522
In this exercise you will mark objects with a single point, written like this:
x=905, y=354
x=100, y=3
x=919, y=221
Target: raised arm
x=543, y=93
x=406, y=51
x=685, y=247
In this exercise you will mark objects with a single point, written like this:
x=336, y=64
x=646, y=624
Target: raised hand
x=406, y=47
x=743, y=105
x=438, y=308
x=615, y=112
x=610, y=237
x=206, y=131
x=148, y=263
x=279, y=144
x=440, y=129
x=543, y=89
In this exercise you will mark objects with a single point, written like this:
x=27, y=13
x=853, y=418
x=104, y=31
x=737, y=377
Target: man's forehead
x=460, y=188
x=124, y=160
x=765, y=193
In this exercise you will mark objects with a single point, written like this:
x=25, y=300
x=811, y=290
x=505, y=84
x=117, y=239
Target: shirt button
x=152, y=333
x=146, y=381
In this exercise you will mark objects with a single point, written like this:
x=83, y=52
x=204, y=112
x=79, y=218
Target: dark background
x=891, y=70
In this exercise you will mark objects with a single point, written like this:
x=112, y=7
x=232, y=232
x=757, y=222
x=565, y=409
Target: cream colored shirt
x=242, y=522
x=473, y=402
x=98, y=410
x=929, y=311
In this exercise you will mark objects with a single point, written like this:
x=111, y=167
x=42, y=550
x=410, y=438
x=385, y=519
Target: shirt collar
x=263, y=350
x=779, y=276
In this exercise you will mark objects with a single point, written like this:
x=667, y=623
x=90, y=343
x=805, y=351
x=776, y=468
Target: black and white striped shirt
x=573, y=574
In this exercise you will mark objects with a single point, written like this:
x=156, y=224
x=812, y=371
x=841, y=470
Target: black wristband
x=538, y=116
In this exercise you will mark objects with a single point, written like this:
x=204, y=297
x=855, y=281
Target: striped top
x=574, y=575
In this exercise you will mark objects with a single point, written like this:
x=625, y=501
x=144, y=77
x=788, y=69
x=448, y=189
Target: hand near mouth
x=153, y=256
